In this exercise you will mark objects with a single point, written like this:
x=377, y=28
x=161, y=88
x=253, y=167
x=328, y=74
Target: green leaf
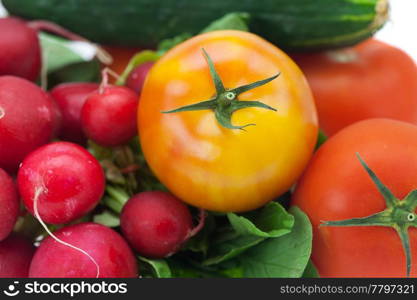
x=310, y=271
x=112, y=172
x=58, y=52
x=231, y=269
x=181, y=270
x=160, y=267
x=231, y=248
x=107, y=218
x=115, y=198
x=112, y=203
x=201, y=241
x=183, y=267
x=231, y=21
x=78, y=72
x=249, y=230
x=167, y=44
x=285, y=256
x=100, y=152
x=270, y=221
x=321, y=139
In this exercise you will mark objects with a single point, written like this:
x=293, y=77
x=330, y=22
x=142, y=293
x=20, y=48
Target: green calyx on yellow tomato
x=206, y=164
x=225, y=102
x=399, y=214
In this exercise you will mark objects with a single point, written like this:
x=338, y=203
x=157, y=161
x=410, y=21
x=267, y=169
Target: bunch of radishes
x=59, y=181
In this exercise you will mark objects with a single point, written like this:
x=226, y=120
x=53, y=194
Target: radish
x=16, y=253
x=84, y=250
x=70, y=98
x=137, y=77
x=26, y=120
x=57, y=118
x=60, y=182
x=9, y=204
x=156, y=223
x=109, y=115
x=20, y=53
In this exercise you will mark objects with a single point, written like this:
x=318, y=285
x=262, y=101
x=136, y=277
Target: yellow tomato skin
x=205, y=164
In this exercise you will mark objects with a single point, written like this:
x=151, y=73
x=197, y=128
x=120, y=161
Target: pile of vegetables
x=209, y=152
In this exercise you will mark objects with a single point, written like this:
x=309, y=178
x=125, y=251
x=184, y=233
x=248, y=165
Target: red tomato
x=371, y=80
x=336, y=186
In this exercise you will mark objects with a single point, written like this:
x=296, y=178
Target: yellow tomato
x=203, y=157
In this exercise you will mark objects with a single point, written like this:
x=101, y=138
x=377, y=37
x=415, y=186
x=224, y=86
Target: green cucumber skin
x=289, y=24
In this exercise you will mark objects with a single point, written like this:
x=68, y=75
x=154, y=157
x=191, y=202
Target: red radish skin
x=156, y=223
x=9, y=204
x=70, y=98
x=109, y=115
x=16, y=253
x=57, y=118
x=137, y=77
x=111, y=252
x=20, y=53
x=68, y=179
x=26, y=120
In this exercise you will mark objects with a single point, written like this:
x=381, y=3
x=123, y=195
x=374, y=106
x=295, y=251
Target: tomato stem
x=399, y=214
x=226, y=101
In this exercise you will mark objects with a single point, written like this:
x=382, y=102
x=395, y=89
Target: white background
x=400, y=31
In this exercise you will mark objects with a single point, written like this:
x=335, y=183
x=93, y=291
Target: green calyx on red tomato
x=399, y=214
x=225, y=102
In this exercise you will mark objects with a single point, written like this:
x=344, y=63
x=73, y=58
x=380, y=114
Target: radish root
x=202, y=220
x=105, y=78
x=38, y=192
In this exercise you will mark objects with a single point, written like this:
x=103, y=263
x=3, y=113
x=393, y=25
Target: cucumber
x=290, y=24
